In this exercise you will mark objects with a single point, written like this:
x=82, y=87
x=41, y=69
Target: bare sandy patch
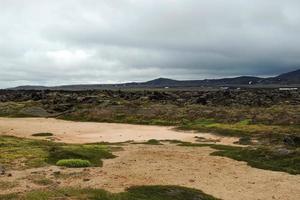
x=89, y=132
x=172, y=165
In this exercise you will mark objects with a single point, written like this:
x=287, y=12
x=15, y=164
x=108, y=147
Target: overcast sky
x=53, y=42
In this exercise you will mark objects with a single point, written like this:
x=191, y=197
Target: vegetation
x=17, y=153
x=263, y=120
x=242, y=128
x=42, y=134
x=133, y=193
x=246, y=140
x=264, y=158
x=259, y=157
x=74, y=163
x=150, y=142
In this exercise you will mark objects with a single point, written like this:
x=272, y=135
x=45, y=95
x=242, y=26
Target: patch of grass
x=9, y=196
x=18, y=153
x=264, y=158
x=93, y=153
x=239, y=129
x=74, y=163
x=260, y=157
x=133, y=193
x=37, y=195
x=42, y=134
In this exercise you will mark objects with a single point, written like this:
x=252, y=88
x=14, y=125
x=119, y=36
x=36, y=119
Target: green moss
x=239, y=129
x=17, y=153
x=263, y=158
x=133, y=193
x=260, y=157
x=92, y=153
x=74, y=163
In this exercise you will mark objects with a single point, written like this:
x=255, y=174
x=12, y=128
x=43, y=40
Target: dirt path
x=87, y=132
x=173, y=165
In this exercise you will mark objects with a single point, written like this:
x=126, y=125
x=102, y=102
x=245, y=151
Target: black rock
x=292, y=140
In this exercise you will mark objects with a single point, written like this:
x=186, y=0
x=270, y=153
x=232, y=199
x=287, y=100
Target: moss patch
x=268, y=158
x=17, y=153
x=74, y=163
x=133, y=193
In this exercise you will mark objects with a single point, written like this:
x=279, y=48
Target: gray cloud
x=100, y=41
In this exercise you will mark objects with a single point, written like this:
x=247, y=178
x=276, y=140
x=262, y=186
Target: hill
x=285, y=79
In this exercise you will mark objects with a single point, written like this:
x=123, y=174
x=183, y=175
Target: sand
x=89, y=132
x=166, y=164
x=172, y=165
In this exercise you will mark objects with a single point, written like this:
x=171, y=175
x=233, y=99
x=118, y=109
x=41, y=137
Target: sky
x=55, y=42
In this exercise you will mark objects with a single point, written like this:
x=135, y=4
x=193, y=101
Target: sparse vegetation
x=4, y=185
x=133, y=193
x=246, y=140
x=260, y=157
x=40, y=180
x=42, y=134
x=150, y=142
x=17, y=153
x=259, y=113
x=74, y=163
x=264, y=158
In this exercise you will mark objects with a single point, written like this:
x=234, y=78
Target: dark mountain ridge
x=287, y=79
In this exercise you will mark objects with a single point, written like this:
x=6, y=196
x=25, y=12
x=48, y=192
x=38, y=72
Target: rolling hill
x=286, y=79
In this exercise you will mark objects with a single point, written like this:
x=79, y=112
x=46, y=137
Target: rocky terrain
x=228, y=97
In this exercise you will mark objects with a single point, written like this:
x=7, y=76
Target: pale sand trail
x=89, y=132
x=174, y=165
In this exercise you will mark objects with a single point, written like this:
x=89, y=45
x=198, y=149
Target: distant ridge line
x=286, y=79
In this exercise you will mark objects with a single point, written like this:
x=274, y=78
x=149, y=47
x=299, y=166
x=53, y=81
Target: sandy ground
x=172, y=165
x=89, y=132
x=166, y=164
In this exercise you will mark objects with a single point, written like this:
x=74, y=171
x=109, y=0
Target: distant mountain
x=286, y=79
x=162, y=82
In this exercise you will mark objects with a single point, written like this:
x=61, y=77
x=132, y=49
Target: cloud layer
x=101, y=41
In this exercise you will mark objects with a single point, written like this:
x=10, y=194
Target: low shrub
x=74, y=163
